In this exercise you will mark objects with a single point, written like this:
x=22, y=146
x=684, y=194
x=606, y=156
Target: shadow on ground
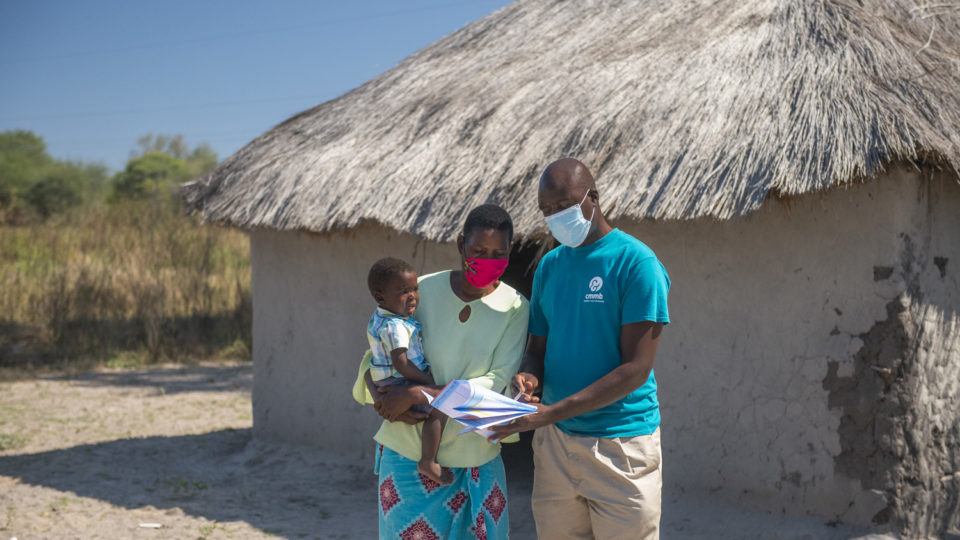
x=224, y=476
x=219, y=475
x=209, y=378
x=299, y=492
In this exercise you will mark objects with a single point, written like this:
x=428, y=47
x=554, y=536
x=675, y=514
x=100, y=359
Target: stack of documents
x=478, y=408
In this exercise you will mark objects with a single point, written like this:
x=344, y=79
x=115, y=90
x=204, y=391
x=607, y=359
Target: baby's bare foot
x=433, y=471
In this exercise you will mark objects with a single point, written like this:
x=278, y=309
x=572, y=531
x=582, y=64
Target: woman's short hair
x=488, y=216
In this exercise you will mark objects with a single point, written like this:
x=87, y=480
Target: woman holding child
x=473, y=327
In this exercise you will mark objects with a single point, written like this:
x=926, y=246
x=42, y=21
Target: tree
x=160, y=165
x=23, y=156
x=63, y=185
x=150, y=175
x=34, y=183
x=52, y=195
x=201, y=161
x=175, y=145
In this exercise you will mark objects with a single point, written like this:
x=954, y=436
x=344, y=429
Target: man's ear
x=594, y=197
x=460, y=243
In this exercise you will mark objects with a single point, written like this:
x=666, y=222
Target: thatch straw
x=681, y=109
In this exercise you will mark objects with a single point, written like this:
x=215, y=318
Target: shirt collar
x=600, y=242
x=387, y=313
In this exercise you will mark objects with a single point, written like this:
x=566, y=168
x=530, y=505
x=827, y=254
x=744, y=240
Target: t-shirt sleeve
x=645, y=293
x=394, y=335
x=361, y=394
x=538, y=322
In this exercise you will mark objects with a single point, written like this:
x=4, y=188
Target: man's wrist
x=550, y=414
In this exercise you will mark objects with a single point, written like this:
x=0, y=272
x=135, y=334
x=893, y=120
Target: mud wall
x=900, y=423
x=813, y=363
x=811, y=367
x=310, y=311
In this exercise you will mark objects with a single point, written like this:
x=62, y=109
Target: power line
x=198, y=138
x=232, y=35
x=190, y=107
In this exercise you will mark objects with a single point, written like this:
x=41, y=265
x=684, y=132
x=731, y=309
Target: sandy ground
x=101, y=454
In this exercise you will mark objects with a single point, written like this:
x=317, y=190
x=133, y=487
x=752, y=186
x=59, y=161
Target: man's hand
x=543, y=417
x=526, y=384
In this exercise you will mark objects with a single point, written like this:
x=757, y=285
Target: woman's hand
x=543, y=417
x=526, y=384
x=409, y=417
x=391, y=402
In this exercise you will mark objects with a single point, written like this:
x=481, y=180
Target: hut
x=794, y=164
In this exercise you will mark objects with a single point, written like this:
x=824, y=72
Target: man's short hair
x=383, y=271
x=488, y=216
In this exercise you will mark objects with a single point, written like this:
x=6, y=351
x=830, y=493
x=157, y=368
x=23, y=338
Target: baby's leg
x=430, y=445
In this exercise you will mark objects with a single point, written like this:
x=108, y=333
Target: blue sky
x=90, y=77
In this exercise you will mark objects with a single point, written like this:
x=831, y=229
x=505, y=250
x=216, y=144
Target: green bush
x=32, y=183
x=163, y=164
x=150, y=175
x=52, y=195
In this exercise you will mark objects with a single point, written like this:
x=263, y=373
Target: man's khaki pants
x=585, y=487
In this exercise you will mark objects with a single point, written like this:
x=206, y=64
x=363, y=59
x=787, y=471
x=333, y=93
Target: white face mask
x=569, y=226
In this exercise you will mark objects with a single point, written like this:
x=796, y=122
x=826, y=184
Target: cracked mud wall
x=777, y=320
x=900, y=424
x=899, y=430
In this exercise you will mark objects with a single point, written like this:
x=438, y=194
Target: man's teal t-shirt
x=581, y=297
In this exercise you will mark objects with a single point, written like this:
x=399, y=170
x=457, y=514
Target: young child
x=397, y=350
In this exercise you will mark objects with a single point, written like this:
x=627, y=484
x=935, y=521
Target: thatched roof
x=681, y=109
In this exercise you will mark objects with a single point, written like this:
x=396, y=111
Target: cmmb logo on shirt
x=594, y=296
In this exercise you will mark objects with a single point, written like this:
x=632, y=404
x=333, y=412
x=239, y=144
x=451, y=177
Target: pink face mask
x=482, y=272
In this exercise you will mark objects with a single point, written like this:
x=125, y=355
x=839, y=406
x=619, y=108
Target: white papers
x=477, y=408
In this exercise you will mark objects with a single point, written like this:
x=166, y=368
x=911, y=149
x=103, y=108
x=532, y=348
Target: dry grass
x=124, y=283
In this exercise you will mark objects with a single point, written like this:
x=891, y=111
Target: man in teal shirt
x=598, y=307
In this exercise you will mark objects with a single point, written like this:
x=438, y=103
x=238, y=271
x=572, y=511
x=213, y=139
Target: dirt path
x=98, y=455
